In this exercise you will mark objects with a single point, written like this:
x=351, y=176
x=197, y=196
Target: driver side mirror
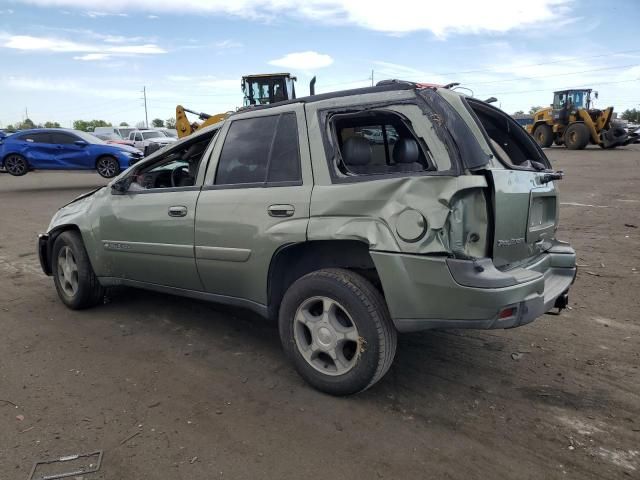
x=121, y=186
x=80, y=143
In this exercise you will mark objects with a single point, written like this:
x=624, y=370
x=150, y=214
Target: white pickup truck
x=143, y=138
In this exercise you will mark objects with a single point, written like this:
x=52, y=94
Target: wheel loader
x=570, y=121
x=261, y=89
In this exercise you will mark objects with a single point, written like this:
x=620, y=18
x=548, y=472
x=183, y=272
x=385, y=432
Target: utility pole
x=372, y=77
x=146, y=117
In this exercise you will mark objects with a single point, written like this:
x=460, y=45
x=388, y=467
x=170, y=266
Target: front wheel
x=335, y=328
x=107, y=167
x=576, y=136
x=16, y=165
x=75, y=281
x=543, y=135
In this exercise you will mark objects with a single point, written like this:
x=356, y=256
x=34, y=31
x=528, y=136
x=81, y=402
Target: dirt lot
x=177, y=389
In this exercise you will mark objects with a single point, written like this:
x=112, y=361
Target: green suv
x=348, y=217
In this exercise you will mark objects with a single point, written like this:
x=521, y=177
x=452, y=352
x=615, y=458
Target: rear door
x=68, y=154
x=525, y=201
x=255, y=200
x=37, y=149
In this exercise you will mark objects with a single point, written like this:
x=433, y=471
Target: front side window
x=63, y=139
x=262, y=150
x=392, y=140
x=177, y=168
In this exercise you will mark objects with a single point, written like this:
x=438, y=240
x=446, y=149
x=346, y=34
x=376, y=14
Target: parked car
x=286, y=211
x=122, y=132
x=62, y=149
x=112, y=138
x=143, y=139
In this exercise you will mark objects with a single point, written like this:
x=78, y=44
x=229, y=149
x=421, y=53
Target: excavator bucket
x=615, y=137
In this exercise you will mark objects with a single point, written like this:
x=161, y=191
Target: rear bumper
x=423, y=293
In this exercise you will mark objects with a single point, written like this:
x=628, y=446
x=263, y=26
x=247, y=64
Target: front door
x=147, y=233
x=254, y=201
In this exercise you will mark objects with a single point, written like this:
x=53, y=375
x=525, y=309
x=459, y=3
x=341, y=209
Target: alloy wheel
x=67, y=271
x=15, y=165
x=107, y=167
x=326, y=336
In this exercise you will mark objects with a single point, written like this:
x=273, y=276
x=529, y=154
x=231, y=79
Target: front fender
x=80, y=215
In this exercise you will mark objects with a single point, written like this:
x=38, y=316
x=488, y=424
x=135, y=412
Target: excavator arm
x=186, y=128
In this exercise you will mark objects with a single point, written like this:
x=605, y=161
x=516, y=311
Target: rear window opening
x=510, y=143
x=377, y=143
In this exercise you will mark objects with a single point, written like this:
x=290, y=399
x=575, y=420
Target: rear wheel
x=543, y=135
x=16, y=165
x=336, y=329
x=576, y=136
x=107, y=167
x=75, y=281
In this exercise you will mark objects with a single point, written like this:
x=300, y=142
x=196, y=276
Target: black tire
x=363, y=303
x=107, y=166
x=576, y=136
x=543, y=134
x=88, y=292
x=16, y=164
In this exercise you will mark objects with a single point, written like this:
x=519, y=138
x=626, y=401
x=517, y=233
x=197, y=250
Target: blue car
x=62, y=149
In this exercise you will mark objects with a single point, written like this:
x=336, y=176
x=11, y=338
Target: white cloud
x=93, y=57
x=105, y=14
x=228, y=44
x=402, y=16
x=303, y=61
x=95, y=51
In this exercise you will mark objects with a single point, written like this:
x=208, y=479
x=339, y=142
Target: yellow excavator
x=261, y=89
x=571, y=121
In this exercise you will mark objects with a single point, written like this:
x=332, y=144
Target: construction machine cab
x=573, y=99
x=268, y=88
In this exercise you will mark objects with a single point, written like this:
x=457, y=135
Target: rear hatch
x=524, y=197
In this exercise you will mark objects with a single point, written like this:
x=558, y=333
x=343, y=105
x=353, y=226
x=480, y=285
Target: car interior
x=378, y=142
x=177, y=168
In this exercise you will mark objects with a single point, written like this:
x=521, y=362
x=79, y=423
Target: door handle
x=178, y=211
x=281, y=210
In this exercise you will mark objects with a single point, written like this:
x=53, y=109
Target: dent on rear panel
x=381, y=212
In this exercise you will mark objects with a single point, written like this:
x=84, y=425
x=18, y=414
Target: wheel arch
x=51, y=239
x=16, y=152
x=291, y=262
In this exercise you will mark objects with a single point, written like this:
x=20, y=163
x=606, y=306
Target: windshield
x=146, y=135
x=89, y=138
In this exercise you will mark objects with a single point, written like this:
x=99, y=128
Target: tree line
x=87, y=125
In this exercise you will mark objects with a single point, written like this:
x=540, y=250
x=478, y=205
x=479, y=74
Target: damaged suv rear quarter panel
x=370, y=210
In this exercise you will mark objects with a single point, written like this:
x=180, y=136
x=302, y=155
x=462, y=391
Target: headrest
x=356, y=151
x=406, y=150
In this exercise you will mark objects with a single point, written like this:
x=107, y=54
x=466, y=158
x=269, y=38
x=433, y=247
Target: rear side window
x=394, y=140
x=262, y=150
x=35, y=138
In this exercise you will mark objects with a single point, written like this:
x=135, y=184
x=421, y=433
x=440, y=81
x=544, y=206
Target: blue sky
x=64, y=60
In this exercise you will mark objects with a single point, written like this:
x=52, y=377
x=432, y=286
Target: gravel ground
x=180, y=389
